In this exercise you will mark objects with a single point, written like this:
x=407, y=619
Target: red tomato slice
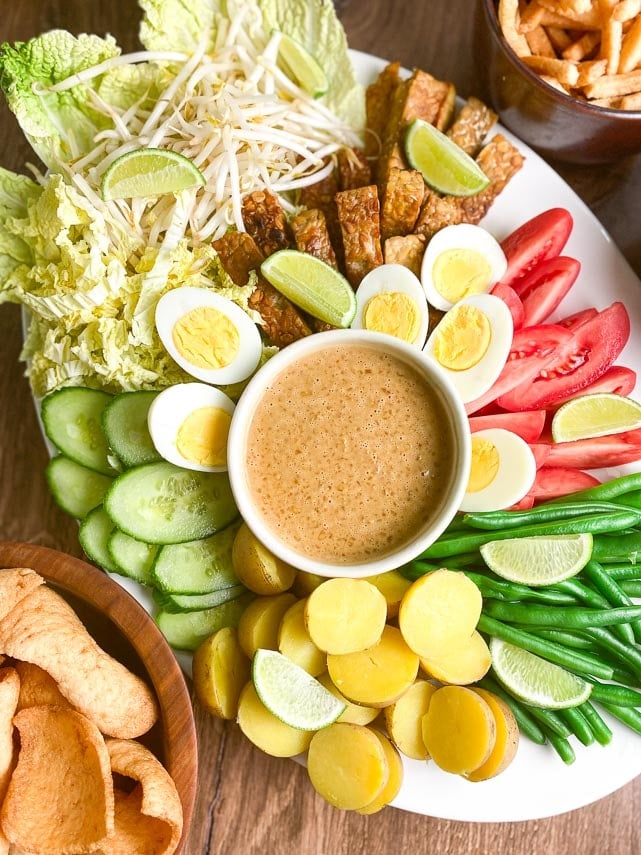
x=528, y=426
x=542, y=237
x=617, y=380
x=592, y=349
x=533, y=349
x=552, y=482
x=542, y=290
x=578, y=318
x=597, y=453
x=512, y=301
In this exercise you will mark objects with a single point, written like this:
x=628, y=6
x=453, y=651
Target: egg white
x=176, y=303
x=460, y=236
x=393, y=278
x=472, y=382
x=169, y=410
x=515, y=475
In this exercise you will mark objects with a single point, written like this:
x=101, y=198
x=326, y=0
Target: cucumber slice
x=197, y=567
x=93, y=535
x=186, y=630
x=124, y=421
x=162, y=503
x=76, y=489
x=132, y=557
x=176, y=603
x=72, y=421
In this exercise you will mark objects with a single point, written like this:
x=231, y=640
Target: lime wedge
x=303, y=68
x=595, y=415
x=540, y=560
x=149, y=172
x=443, y=164
x=291, y=694
x=312, y=285
x=534, y=680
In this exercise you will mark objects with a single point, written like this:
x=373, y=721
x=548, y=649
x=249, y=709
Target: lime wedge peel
x=599, y=414
x=534, y=680
x=443, y=164
x=312, y=285
x=540, y=560
x=149, y=172
x=291, y=694
x=301, y=65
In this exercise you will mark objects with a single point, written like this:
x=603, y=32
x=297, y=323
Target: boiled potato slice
x=461, y=665
x=259, y=623
x=347, y=765
x=377, y=676
x=394, y=779
x=345, y=615
x=459, y=729
x=220, y=669
x=295, y=643
x=353, y=713
x=507, y=739
x=305, y=583
x=439, y=613
x=392, y=586
x=258, y=568
x=265, y=730
x=403, y=719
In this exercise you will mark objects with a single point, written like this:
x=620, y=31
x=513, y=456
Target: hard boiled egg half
x=189, y=425
x=209, y=336
x=502, y=471
x=471, y=343
x=390, y=299
x=460, y=261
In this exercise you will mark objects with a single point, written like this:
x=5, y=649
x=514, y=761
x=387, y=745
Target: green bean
x=578, y=724
x=550, y=720
x=600, y=729
x=515, y=591
x=419, y=567
x=491, y=520
x=527, y=725
x=627, y=654
x=562, y=748
x=563, y=636
x=573, y=660
x=633, y=499
x=583, y=593
x=446, y=546
x=609, y=490
x=624, y=548
x=632, y=588
x=628, y=715
x=623, y=572
x=563, y=617
x=612, y=693
x=610, y=589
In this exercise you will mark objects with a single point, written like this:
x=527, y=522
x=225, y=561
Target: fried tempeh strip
x=500, y=161
x=265, y=220
x=311, y=235
x=407, y=250
x=438, y=212
x=359, y=216
x=354, y=169
x=472, y=125
x=239, y=255
x=401, y=203
x=378, y=102
x=322, y=195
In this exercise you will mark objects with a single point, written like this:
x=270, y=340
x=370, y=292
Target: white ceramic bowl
x=458, y=471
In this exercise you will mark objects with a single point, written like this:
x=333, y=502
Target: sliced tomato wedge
x=617, y=380
x=528, y=425
x=600, y=452
x=592, y=349
x=512, y=301
x=578, y=318
x=533, y=349
x=538, y=239
x=552, y=482
x=542, y=290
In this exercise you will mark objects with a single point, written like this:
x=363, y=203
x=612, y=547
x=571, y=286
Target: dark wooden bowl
x=124, y=629
x=553, y=123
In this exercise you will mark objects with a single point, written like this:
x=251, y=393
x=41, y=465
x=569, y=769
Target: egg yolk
x=462, y=338
x=394, y=313
x=202, y=437
x=485, y=465
x=458, y=273
x=207, y=338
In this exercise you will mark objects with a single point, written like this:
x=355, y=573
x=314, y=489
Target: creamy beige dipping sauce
x=350, y=452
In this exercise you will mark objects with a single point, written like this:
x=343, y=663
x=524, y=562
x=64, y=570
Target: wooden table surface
x=248, y=802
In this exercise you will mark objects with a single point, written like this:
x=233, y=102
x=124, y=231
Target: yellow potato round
x=258, y=568
x=439, y=613
x=220, y=669
x=377, y=676
x=345, y=615
x=394, y=779
x=305, y=583
x=267, y=732
x=353, y=713
x=507, y=739
x=392, y=586
x=259, y=623
x=461, y=665
x=459, y=729
x=295, y=643
x=404, y=718
x=347, y=765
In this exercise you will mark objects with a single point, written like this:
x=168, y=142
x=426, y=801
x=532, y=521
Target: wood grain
x=247, y=802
